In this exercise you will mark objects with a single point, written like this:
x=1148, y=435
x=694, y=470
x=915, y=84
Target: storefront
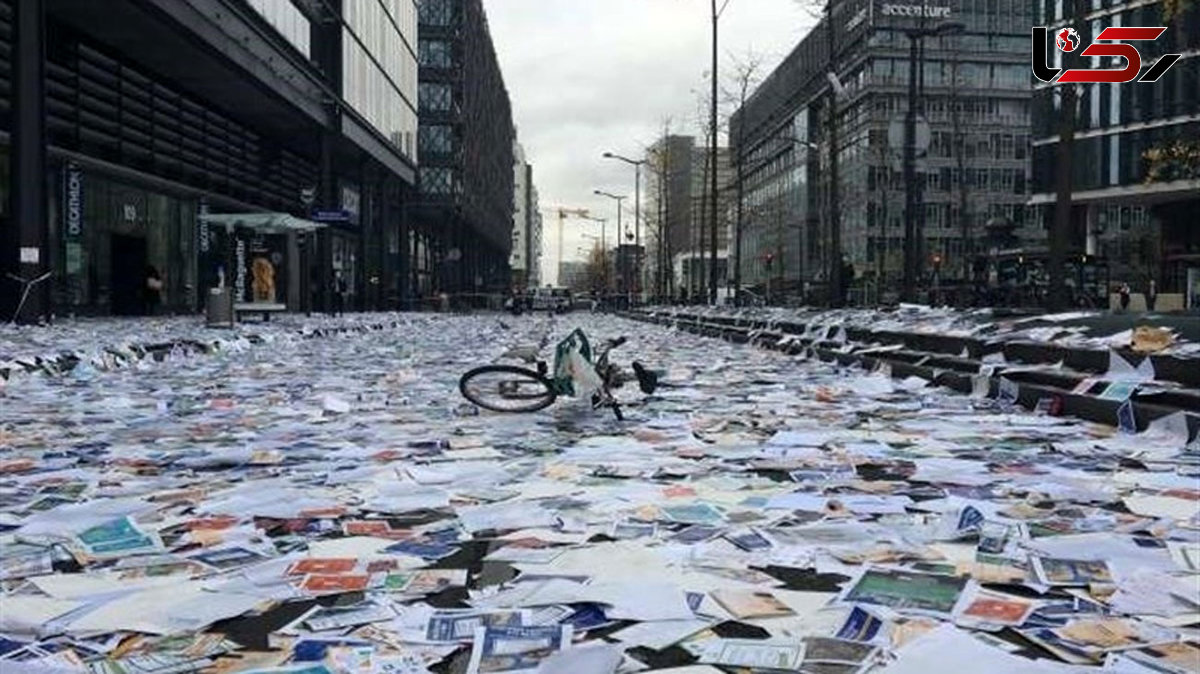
x=111, y=236
x=259, y=255
x=344, y=252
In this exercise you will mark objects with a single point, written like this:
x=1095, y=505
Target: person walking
x=339, y=293
x=1151, y=295
x=1123, y=297
x=152, y=291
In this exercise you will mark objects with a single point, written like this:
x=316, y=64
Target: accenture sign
x=915, y=10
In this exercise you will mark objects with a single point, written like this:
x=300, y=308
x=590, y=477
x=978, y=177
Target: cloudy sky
x=589, y=76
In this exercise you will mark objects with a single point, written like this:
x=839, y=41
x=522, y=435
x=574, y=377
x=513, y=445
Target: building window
x=437, y=12
x=436, y=54
x=435, y=96
x=288, y=20
x=438, y=181
x=436, y=139
x=379, y=67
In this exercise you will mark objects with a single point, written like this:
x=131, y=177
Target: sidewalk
x=110, y=342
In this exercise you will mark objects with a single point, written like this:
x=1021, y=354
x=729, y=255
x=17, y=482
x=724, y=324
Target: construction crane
x=563, y=214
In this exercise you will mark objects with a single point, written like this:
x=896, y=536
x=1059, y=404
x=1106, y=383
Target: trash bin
x=220, y=308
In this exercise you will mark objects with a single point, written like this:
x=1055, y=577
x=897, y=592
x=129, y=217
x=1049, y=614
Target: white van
x=548, y=298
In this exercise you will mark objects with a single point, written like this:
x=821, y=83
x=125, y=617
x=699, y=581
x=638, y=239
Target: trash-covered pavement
x=1144, y=333
x=334, y=505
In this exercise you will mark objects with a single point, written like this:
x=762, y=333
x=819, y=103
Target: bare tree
x=697, y=281
x=597, y=269
x=744, y=76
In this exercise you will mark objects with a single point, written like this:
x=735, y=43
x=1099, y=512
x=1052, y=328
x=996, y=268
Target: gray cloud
x=589, y=76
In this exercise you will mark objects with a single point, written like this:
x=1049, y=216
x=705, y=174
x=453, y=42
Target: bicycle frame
x=600, y=366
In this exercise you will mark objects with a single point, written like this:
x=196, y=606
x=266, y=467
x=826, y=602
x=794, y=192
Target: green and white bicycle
x=515, y=389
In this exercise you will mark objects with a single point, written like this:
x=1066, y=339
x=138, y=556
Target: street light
x=637, y=216
x=912, y=256
x=618, y=199
x=712, y=148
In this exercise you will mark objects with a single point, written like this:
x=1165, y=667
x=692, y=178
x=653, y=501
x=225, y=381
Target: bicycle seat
x=647, y=380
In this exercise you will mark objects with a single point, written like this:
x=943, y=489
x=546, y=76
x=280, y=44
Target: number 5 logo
x=1067, y=39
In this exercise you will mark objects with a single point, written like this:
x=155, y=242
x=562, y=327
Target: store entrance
x=128, y=271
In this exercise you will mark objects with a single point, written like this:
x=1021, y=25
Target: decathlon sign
x=74, y=199
x=915, y=10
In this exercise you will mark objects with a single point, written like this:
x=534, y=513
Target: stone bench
x=263, y=309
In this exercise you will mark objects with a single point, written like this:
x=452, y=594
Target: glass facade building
x=379, y=67
x=286, y=18
x=974, y=91
x=227, y=112
x=463, y=238
x=1134, y=192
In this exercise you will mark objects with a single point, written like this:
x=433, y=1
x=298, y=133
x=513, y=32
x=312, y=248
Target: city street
x=599, y=337
x=335, y=492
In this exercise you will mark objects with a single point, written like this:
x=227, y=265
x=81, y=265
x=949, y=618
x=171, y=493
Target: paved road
x=343, y=448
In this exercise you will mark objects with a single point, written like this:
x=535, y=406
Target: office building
x=192, y=136
x=627, y=259
x=574, y=274
x=1135, y=157
x=973, y=164
x=678, y=212
x=526, y=258
x=464, y=214
x=533, y=241
x=518, y=260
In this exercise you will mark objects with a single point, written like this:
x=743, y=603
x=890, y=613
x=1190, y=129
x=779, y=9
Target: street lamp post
x=912, y=236
x=618, y=199
x=712, y=194
x=835, y=281
x=637, y=218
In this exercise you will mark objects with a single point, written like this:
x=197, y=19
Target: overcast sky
x=589, y=76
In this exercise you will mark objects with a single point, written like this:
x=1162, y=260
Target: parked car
x=550, y=298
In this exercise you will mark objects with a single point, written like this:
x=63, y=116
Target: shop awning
x=263, y=223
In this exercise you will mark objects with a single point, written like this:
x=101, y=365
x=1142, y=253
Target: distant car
x=557, y=300
x=583, y=302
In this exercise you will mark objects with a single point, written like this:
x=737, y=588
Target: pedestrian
x=1123, y=297
x=339, y=293
x=152, y=291
x=847, y=280
x=1151, y=296
x=515, y=302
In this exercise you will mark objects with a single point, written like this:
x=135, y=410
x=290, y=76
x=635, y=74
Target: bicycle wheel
x=506, y=388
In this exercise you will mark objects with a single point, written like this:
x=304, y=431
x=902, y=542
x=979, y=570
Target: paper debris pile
x=333, y=505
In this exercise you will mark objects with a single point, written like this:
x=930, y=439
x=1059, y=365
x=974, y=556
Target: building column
x=1092, y=234
x=330, y=200
x=392, y=279
x=326, y=38
x=368, y=238
x=29, y=254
